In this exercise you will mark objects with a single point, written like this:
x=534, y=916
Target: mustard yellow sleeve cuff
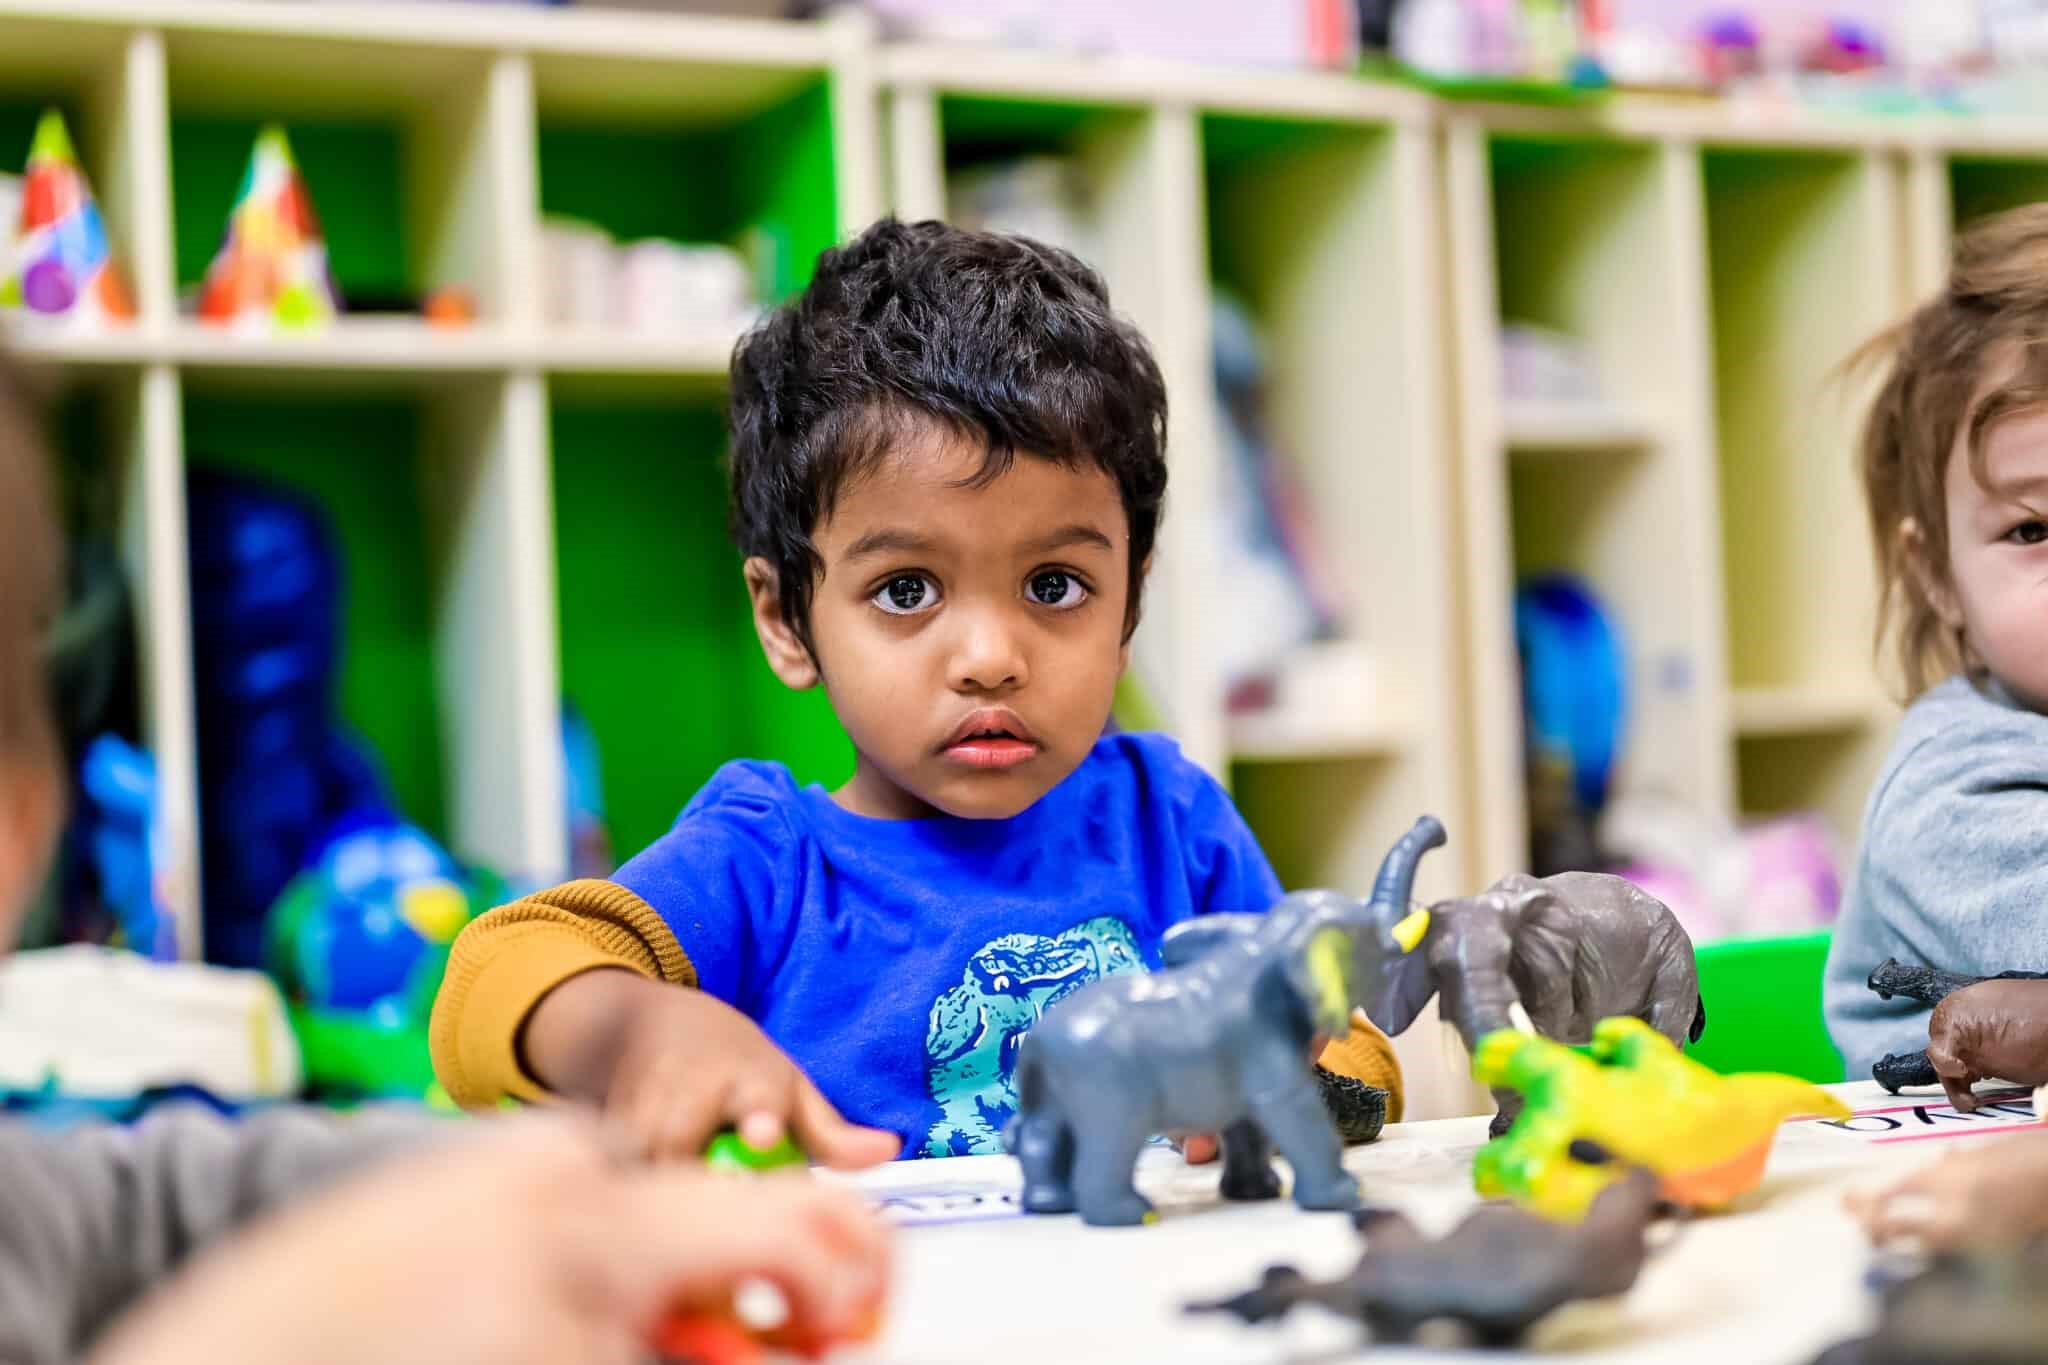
x=1367, y=1055
x=504, y=962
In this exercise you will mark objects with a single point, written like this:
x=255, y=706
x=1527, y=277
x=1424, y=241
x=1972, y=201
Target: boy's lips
x=994, y=737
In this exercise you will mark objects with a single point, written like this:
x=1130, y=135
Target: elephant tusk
x=1409, y=931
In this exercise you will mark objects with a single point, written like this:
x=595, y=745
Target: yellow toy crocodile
x=1640, y=1102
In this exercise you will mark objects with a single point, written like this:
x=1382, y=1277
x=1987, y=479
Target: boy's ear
x=1930, y=578
x=788, y=655
x=1123, y=655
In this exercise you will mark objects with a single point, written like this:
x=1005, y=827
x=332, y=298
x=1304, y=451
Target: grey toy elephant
x=1217, y=1041
x=1573, y=949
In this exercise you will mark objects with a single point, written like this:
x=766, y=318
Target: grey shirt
x=92, y=1218
x=1953, y=868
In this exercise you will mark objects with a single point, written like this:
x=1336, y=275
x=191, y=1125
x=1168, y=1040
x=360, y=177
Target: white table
x=1773, y=1280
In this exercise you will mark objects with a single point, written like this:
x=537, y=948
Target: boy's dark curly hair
x=1002, y=339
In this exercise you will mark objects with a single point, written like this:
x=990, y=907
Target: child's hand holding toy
x=672, y=1066
x=527, y=1241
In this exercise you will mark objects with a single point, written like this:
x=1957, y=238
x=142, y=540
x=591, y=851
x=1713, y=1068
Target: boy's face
x=970, y=638
x=1997, y=590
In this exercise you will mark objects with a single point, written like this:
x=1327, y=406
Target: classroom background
x=1512, y=447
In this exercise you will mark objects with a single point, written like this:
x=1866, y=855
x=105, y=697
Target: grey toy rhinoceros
x=1572, y=949
x=1215, y=1042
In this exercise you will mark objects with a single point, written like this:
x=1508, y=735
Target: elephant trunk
x=1396, y=881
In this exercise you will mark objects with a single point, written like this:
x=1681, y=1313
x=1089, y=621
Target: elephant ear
x=1198, y=937
x=1324, y=979
x=1411, y=984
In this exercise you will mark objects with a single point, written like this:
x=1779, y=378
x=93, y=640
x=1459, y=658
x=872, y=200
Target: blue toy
x=359, y=942
x=266, y=588
x=124, y=836
x=1574, y=680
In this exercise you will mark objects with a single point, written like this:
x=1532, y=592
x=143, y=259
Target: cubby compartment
x=359, y=462
x=1586, y=455
x=1304, y=242
x=719, y=187
x=1980, y=186
x=396, y=147
x=1800, y=259
x=658, y=651
x=429, y=506
x=1312, y=241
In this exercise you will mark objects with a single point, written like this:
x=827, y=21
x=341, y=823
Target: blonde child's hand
x=1993, y=1193
x=525, y=1241
x=690, y=1064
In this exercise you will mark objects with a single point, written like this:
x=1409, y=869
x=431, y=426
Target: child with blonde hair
x=1953, y=867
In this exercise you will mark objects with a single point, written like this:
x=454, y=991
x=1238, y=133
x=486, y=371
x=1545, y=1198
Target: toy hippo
x=1217, y=1041
x=1572, y=949
x=1895, y=1071
x=1498, y=1273
x=1994, y=1029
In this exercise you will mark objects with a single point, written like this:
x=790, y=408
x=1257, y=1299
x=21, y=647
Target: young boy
x=579, y=1253
x=948, y=467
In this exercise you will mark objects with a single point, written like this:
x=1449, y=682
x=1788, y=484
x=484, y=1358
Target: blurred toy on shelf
x=119, y=819
x=1275, y=583
x=92, y=1023
x=1543, y=365
x=1780, y=875
x=648, y=288
x=1045, y=198
x=359, y=941
x=276, y=771
x=590, y=840
x=10, y=212
x=271, y=272
x=1575, y=715
x=449, y=305
x=1279, y=33
x=61, y=265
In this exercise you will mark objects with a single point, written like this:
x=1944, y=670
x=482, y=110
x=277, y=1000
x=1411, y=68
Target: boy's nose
x=988, y=655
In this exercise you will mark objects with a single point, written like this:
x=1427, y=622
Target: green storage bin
x=1764, y=1007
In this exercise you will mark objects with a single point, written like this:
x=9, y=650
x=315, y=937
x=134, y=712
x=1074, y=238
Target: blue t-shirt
x=900, y=962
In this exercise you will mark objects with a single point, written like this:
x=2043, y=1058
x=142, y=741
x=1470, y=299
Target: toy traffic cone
x=271, y=268
x=63, y=266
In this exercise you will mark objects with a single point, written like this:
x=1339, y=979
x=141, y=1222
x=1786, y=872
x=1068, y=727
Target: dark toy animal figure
x=1497, y=1274
x=1901, y=1069
x=1573, y=949
x=1215, y=1042
x=1973, y=1308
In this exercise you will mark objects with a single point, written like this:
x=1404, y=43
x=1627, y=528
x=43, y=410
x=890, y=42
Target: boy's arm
x=510, y=960
x=92, y=1217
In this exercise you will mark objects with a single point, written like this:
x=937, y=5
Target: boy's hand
x=1199, y=1149
x=567, y=1254
x=682, y=1064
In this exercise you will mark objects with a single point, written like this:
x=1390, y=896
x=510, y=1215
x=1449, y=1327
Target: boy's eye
x=1057, y=588
x=905, y=594
x=2028, y=533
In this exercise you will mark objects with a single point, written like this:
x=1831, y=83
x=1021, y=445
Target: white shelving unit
x=1716, y=265
x=465, y=101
